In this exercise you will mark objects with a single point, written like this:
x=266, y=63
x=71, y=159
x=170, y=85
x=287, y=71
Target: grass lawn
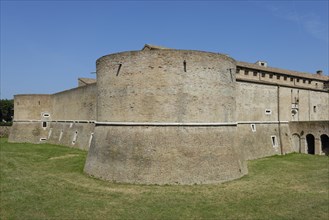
x=47, y=182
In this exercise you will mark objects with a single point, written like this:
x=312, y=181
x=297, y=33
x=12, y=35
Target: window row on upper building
x=273, y=77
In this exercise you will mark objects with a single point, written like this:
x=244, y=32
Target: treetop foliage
x=6, y=110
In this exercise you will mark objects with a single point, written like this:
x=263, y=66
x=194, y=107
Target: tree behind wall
x=6, y=111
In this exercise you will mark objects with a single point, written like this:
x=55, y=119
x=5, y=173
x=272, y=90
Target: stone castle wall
x=179, y=117
x=164, y=114
x=157, y=86
x=65, y=118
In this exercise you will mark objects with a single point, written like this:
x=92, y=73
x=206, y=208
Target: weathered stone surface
x=165, y=155
x=164, y=116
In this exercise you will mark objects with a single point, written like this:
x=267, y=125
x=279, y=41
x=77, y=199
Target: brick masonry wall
x=157, y=86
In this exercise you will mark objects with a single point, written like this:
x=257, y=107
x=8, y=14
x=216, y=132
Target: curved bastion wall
x=166, y=86
x=165, y=117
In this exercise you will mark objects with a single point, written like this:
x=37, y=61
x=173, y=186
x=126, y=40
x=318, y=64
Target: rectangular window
x=44, y=124
x=263, y=74
x=285, y=78
x=75, y=137
x=246, y=72
x=255, y=73
x=297, y=80
x=277, y=77
x=46, y=115
x=271, y=76
x=268, y=111
x=291, y=79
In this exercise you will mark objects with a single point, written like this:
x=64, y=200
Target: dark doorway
x=325, y=144
x=310, y=144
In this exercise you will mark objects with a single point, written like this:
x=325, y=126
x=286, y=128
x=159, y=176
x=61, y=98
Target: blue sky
x=47, y=45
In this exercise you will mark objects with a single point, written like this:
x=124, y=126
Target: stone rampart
x=65, y=118
x=165, y=116
x=185, y=102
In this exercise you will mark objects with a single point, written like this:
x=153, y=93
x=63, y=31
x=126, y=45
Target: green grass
x=47, y=182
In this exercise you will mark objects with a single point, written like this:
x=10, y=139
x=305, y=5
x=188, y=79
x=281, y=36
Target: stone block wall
x=76, y=135
x=65, y=118
x=166, y=86
x=31, y=107
x=165, y=117
x=75, y=104
x=165, y=155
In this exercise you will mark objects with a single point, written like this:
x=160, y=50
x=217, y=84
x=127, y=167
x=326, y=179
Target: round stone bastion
x=165, y=117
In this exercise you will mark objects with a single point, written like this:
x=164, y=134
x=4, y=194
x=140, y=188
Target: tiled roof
x=87, y=80
x=154, y=47
x=282, y=71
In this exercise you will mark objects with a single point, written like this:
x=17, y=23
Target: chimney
x=319, y=72
x=261, y=63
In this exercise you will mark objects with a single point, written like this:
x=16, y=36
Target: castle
x=167, y=116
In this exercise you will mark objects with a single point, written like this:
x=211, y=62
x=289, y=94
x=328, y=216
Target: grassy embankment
x=47, y=181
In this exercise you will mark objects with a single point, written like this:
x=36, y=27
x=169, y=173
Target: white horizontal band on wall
x=160, y=123
x=262, y=122
x=61, y=121
x=166, y=123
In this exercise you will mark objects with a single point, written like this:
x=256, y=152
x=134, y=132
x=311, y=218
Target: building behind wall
x=169, y=116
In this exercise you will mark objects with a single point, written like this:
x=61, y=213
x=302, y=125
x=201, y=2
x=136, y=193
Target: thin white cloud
x=308, y=22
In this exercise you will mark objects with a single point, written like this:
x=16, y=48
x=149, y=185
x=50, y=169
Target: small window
x=271, y=76
x=304, y=80
x=253, y=127
x=291, y=79
x=277, y=77
x=268, y=111
x=274, y=141
x=46, y=115
x=43, y=139
x=75, y=137
x=255, y=73
x=44, y=124
x=246, y=72
x=285, y=78
x=297, y=80
x=263, y=74
x=314, y=109
x=309, y=82
x=237, y=70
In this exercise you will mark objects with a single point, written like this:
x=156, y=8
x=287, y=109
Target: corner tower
x=165, y=117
